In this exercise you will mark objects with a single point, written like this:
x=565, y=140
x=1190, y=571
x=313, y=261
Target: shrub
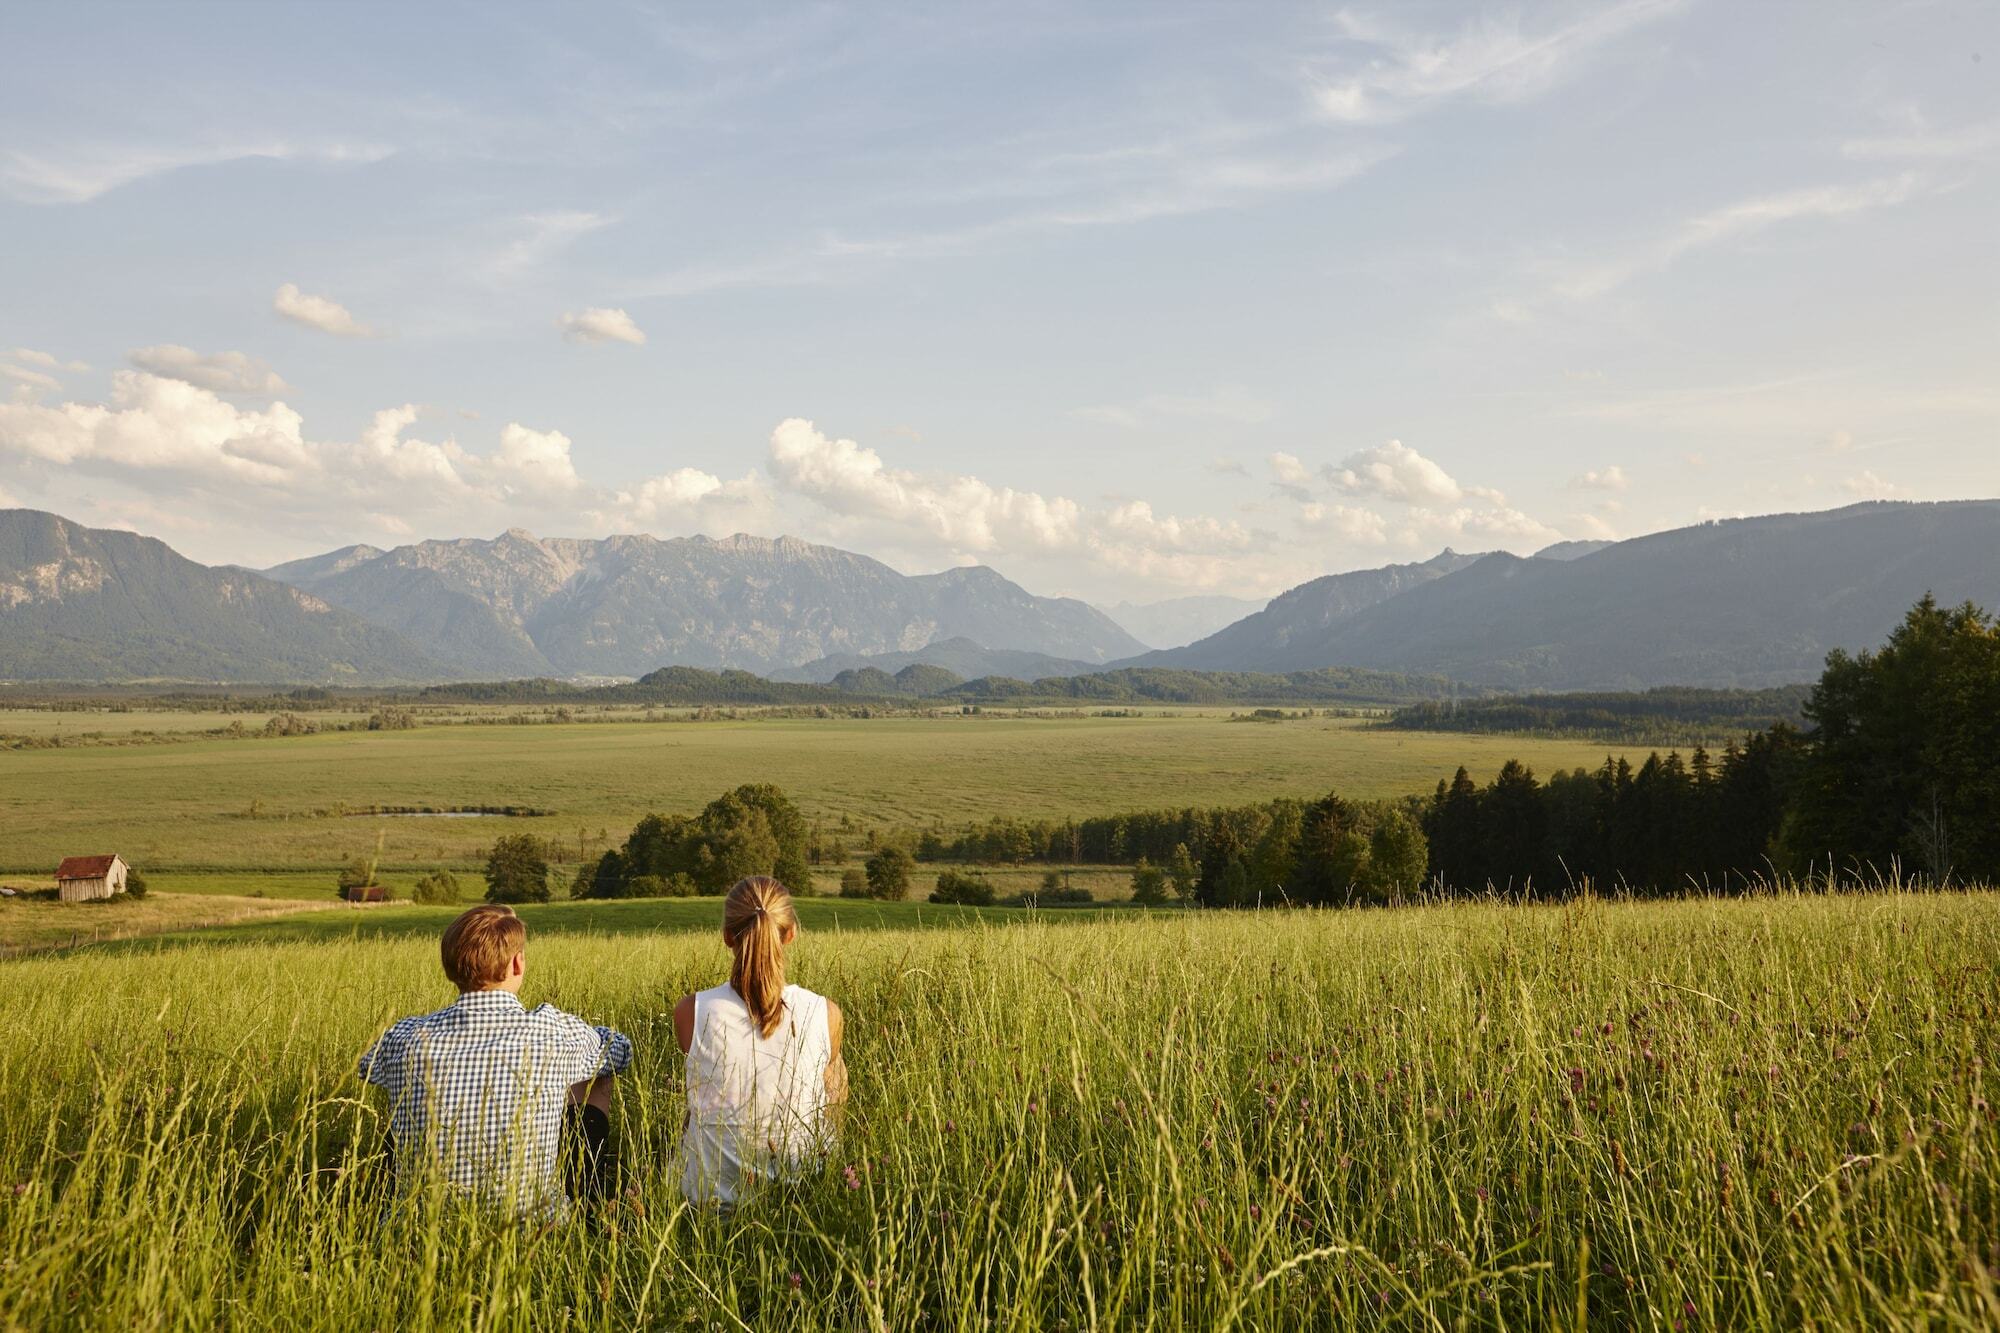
x=889, y=874
x=964, y=889
x=440, y=886
x=854, y=882
x=135, y=884
x=647, y=886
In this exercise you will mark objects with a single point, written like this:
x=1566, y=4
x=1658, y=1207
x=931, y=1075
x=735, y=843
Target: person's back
x=479, y=1091
x=763, y=1058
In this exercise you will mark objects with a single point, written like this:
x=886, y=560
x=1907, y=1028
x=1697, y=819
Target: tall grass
x=1744, y=1114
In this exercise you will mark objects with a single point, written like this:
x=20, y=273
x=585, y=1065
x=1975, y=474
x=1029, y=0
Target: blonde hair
x=478, y=946
x=755, y=917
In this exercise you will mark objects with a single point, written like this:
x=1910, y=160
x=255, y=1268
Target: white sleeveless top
x=756, y=1104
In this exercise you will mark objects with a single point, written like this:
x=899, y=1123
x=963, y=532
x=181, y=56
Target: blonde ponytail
x=755, y=917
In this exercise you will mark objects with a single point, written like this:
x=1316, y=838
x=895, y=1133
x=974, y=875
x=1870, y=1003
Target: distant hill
x=86, y=604
x=1180, y=620
x=961, y=657
x=1296, y=631
x=1737, y=603
x=623, y=606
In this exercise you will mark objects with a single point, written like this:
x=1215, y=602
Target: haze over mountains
x=1743, y=602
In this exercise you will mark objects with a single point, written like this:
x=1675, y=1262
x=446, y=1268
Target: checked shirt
x=478, y=1090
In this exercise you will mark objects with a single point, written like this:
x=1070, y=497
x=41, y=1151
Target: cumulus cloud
x=221, y=372
x=1493, y=58
x=1363, y=527
x=1394, y=471
x=1290, y=476
x=318, y=312
x=600, y=324
x=1601, y=479
x=967, y=517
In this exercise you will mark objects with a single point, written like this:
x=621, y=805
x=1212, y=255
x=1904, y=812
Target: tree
x=1398, y=856
x=1330, y=855
x=889, y=874
x=1182, y=872
x=517, y=870
x=440, y=886
x=1453, y=828
x=1149, y=884
x=854, y=882
x=1516, y=828
x=1900, y=767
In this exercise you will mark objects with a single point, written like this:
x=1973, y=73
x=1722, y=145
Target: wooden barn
x=81, y=878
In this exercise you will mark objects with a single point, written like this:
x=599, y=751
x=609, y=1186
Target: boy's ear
x=519, y=965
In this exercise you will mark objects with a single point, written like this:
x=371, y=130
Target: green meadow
x=1755, y=1114
x=204, y=807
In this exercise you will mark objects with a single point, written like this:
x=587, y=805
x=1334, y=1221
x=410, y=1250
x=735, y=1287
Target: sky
x=1125, y=301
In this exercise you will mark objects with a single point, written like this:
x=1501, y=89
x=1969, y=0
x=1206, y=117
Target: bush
x=135, y=884
x=517, y=870
x=854, y=882
x=440, y=886
x=889, y=874
x=963, y=889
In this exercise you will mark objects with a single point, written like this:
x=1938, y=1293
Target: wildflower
x=1482, y=1194
x=796, y=1281
x=853, y=1177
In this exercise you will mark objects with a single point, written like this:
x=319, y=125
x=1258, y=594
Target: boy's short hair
x=478, y=946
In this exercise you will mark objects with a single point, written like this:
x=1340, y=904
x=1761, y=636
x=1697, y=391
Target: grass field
x=274, y=805
x=1772, y=1113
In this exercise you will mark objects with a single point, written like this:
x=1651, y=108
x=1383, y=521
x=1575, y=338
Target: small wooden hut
x=82, y=878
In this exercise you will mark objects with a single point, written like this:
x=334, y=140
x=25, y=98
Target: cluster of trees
x=1668, y=715
x=1667, y=823
x=753, y=830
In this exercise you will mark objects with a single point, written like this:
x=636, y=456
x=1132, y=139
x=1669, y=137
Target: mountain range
x=1747, y=602
x=1740, y=602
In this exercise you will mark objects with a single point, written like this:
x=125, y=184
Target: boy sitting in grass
x=482, y=1089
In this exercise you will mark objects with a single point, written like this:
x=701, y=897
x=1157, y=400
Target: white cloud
x=318, y=312
x=222, y=372
x=962, y=516
x=1395, y=471
x=1491, y=58
x=600, y=324
x=76, y=174
x=47, y=361
x=1601, y=479
x=1363, y=527
x=1290, y=476
x=34, y=379
x=1871, y=487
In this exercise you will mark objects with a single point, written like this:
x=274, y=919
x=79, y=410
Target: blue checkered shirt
x=478, y=1089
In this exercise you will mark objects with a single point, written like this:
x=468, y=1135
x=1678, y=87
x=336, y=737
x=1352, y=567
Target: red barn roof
x=84, y=867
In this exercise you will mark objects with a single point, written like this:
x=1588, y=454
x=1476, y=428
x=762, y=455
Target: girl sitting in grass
x=764, y=1069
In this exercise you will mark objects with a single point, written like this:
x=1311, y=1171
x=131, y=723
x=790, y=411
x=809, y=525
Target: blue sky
x=1125, y=301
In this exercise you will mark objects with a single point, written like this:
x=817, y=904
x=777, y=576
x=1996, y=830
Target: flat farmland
x=285, y=804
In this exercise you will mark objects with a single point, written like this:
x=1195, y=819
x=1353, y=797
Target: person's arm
x=379, y=1063
x=836, y=1066
x=684, y=1023
x=586, y=1051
